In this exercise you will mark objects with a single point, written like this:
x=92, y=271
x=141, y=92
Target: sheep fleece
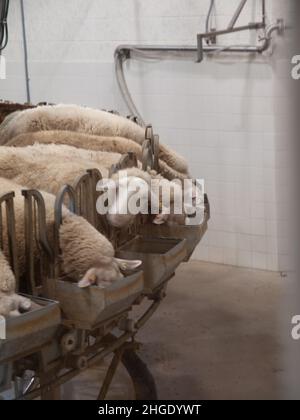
x=91, y=142
x=83, y=236
x=84, y=120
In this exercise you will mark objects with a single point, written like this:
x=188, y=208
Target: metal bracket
x=212, y=35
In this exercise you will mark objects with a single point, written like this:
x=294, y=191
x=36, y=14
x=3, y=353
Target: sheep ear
x=160, y=219
x=87, y=281
x=128, y=264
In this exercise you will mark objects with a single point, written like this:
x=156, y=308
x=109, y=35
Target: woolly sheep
x=138, y=180
x=55, y=165
x=91, y=142
x=86, y=255
x=10, y=302
x=84, y=120
x=48, y=167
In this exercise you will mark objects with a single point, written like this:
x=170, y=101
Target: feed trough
x=192, y=234
x=87, y=308
x=160, y=256
x=30, y=331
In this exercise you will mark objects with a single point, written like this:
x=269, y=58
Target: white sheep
x=91, y=142
x=10, y=302
x=83, y=120
x=86, y=255
x=49, y=166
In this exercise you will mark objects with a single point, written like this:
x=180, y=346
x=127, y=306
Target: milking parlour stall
x=122, y=123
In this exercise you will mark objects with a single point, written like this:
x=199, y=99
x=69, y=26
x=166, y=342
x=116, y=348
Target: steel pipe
x=237, y=14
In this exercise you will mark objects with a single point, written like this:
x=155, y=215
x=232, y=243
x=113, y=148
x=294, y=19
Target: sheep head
x=109, y=271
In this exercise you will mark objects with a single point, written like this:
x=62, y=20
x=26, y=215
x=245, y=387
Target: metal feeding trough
x=192, y=234
x=78, y=328
x=87, y=308
x=160, y=256
x=30, y=331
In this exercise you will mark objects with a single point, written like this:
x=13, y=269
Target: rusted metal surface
x=8, y=200
x=87, y=308
x=88, y=315
x=30, y=331
x=160, y=257
x=192, y=234
x=36, y=241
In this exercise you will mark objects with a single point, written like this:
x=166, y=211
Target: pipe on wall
x=27, y=78
x=126, y=52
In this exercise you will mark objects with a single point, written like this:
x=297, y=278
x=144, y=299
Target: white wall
x=219, y=114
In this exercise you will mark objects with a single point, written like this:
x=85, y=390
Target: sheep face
x=12, y=304
x=123, y=200
x=107, y=272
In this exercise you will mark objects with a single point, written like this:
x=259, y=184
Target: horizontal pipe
x=127, y=51
x=250, y=26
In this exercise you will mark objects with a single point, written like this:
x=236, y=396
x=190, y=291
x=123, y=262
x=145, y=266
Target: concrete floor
x=214, y=337
x=216, y=334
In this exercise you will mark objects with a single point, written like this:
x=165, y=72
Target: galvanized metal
x=31, y=331
x=192, y=234
x=160, y=256
x=87, y=308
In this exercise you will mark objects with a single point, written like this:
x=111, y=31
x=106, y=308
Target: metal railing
x=7, y=200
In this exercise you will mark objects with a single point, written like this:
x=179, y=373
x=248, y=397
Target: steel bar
x=8, y=199
x=33, y=222
x=237, y=14
x=110, y=374
x=263, y=11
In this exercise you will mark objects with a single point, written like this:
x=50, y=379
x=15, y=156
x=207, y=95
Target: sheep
x=87, y=257
x=91, y=142
x=55, y=165
x=84, y=120
x=152, y=187
x=58, y=165
x=10, y=302
x=49, y=166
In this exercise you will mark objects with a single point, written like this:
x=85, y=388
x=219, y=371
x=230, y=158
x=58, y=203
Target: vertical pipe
x=27, y=79
x=264, y=12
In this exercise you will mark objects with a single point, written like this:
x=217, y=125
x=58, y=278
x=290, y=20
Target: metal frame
x=8, y=200
x=212, y=35
x=75, y=349
x=126, y=52
x=36, y=234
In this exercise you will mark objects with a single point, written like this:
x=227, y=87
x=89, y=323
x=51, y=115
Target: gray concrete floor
x=216, y=334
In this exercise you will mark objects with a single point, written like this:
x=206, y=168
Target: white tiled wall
x=219, y=114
